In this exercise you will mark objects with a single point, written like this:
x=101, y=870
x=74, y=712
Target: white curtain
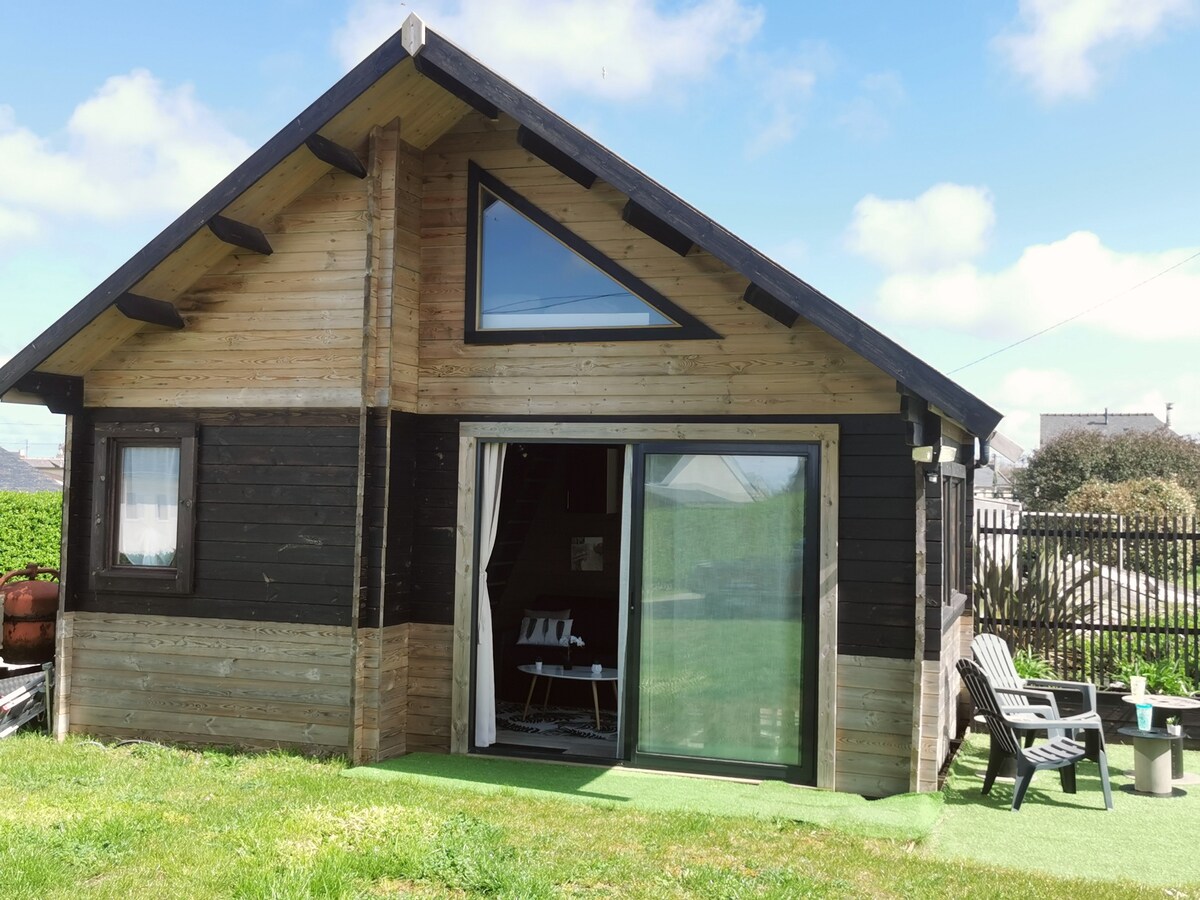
x=490, y=483
x=148, y=514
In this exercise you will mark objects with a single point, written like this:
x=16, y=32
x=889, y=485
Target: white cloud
x=614, y=50
x=1057, y=43
x=135, y=147
x=947, y=224
x=783, y=93
x=1024, y=394
x=1053, y=282
x=866, y=116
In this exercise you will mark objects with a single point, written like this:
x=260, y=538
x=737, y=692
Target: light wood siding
x=283, y=330
x=874, y=724
x=385, y=661
x=407, y=170
x=940, y=685
x=210, y=681
x=430, y=655
x=759, y=367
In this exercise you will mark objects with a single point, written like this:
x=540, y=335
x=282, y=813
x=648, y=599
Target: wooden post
x=60, y=715
x=919, y=512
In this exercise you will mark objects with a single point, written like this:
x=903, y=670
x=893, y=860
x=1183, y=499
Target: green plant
x=1163, y=676
x=1030, y=665
x=30, y=529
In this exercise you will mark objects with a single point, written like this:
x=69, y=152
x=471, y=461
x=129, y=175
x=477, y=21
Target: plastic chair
x=991, y=653
x=1057, y=752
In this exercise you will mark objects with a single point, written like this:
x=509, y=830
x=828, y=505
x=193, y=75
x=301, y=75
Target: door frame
x=472, y=433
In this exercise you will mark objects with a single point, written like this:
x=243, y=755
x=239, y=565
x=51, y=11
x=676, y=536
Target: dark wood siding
x=275, y=515
x=876, y=555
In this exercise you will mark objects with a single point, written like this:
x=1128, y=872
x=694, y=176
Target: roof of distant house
x=18, y=475
x=1056, y=424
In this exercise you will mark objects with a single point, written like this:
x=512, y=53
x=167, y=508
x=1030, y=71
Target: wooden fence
x=1092, y=594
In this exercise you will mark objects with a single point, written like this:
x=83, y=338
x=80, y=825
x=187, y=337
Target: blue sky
x=959, y=174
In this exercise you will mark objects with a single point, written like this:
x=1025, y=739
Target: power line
x=1077, y=315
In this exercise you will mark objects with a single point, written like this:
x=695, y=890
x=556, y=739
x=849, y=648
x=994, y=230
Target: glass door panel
x=721, y=655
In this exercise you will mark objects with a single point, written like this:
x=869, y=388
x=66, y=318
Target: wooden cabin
x=434, y=396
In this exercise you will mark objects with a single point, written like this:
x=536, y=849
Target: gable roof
x=338, y=115
x=18, y=475
x=1056, y=424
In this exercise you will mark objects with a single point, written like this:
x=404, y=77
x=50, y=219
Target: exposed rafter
x=336, y=155
x=60, y=393
x=240, y=235
x=768, y=303
x=648, y=223
x=444, y=80
x=552, y=156
x=914, y=411
x=149, y=310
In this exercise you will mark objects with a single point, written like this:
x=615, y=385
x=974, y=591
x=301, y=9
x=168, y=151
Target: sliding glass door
x=724, y=600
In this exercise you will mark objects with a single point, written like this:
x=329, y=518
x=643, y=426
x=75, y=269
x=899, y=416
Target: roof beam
x=766, y=302
x=444, y=80
x=60, y=393
x=552, y=156
x=240, y=235
x=149, y=310
x=648, y=223
x=336, y=155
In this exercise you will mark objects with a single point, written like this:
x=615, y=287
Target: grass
x=82, y=820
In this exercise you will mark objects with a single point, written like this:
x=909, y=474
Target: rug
x=556, y=720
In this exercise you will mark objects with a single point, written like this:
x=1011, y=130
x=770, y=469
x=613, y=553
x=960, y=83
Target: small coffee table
x=1165, y=705
x=575, y=673
x=1152, y=760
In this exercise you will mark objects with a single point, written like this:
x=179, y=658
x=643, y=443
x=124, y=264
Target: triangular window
x=531, y=279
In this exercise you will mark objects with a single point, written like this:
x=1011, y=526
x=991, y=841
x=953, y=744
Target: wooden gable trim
x=336, y=155
x=552, y=156
x=651, y=225
x=451, y=84
x=766, y=302
x=259, y=163
x=239, y=234
x=149, y=310
x=805, y=300
x=60, y=393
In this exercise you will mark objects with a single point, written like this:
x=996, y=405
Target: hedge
x=30, y=529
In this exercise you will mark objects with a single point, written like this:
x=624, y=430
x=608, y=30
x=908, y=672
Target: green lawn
x=138, y=821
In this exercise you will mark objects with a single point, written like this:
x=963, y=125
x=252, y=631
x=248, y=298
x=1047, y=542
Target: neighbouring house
x=994, y=479
x=1056, y=424
x=434, y=383
x=50, y=466
x=16, y=474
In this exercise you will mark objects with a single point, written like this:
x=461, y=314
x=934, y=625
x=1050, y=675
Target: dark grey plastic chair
x=1058, y=752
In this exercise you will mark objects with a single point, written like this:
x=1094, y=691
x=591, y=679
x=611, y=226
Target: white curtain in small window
x=148, y=512
x=491, y=479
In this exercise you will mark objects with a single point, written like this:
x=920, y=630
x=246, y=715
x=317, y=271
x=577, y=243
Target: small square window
x=143, y=502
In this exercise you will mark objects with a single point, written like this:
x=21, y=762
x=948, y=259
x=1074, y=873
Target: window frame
x=684, y=326
x=954, y=532
x=106, y=574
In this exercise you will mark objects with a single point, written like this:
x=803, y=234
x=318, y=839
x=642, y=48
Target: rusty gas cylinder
x=30, y=607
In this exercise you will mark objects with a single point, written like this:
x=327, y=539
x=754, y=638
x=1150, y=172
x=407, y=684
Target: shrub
x=1030, y=665
x=1077, y=457
x=30, y=529
x=1157, y=497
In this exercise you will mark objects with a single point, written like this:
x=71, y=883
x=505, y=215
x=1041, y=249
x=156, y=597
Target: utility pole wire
x=1077, y=315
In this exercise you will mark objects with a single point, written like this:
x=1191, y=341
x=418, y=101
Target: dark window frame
x=684, y=326
x=954, y=533
x=107, y=575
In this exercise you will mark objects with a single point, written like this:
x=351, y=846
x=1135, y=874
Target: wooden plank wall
x=759, y=367
x=385, y=719
x=874, y=731
x=210, y=681
x=261, y=331
x=403, y=354
x=274, y=517
x=430, y=658
x=940, y=696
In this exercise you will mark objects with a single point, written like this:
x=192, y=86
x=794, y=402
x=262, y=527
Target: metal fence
x=1094, y=595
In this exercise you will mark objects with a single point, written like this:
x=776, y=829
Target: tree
x=1072, y=460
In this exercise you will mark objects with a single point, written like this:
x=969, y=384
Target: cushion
x=548, y=613
x=545, y=632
